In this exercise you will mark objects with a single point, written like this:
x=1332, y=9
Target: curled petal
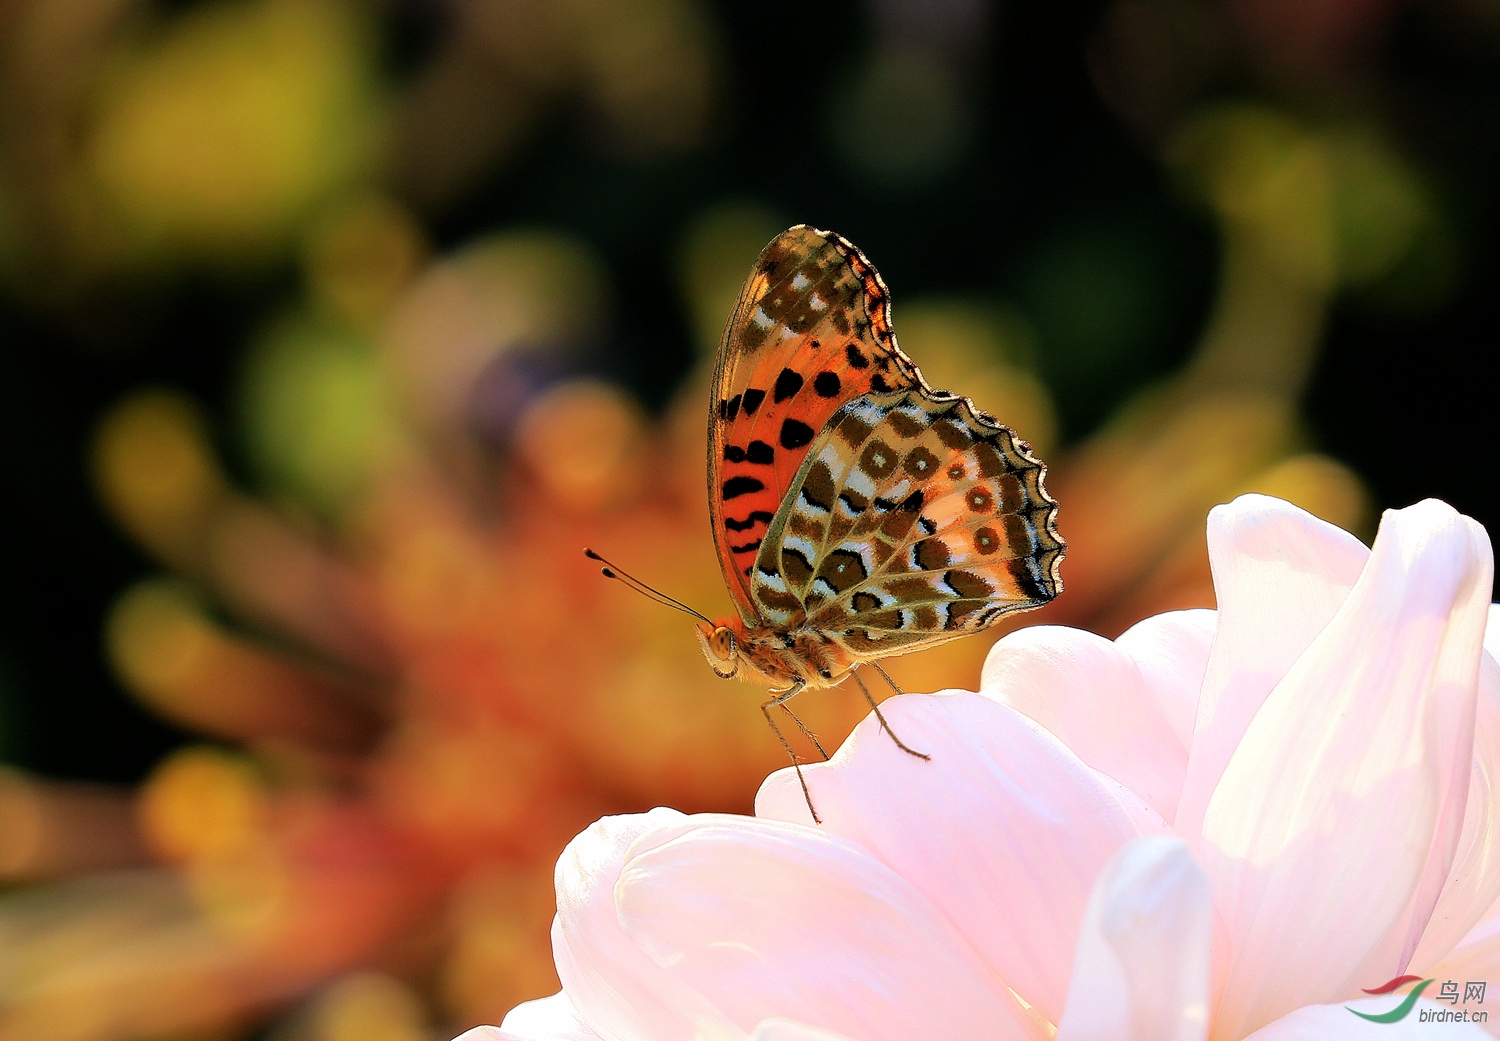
x=1279, y=575
x=768, y=919
x=1334, y=780
x=1092, y=695
x=615, y=987
x=545, y=1019
x=1142, y=971
x=1337, y=1023
x=1004, y=830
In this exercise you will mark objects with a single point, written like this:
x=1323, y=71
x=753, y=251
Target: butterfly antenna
x=610, y=571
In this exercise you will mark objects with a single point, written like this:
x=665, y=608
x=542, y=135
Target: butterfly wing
x=915, y=519
x=810, y=333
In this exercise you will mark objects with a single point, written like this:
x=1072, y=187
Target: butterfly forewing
x=914, y=520
x=810, y=333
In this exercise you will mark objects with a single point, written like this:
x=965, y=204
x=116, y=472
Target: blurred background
x=331, y=331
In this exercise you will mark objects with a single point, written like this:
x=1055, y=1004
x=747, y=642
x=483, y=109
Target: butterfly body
x=779, y=658
x=858, y=512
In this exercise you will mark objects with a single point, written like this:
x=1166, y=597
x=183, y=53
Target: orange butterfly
x=858, y=513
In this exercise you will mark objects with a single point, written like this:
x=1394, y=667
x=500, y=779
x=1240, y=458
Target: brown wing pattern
x=811, y=332
x=915, y=519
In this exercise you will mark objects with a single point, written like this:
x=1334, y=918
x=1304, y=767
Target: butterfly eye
x=722, y=643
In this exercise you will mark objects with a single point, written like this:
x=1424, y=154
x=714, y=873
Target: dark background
x=1047, y=164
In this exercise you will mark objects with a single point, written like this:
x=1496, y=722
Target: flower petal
x=1142, y=971
x=1091, y=694
x=1279, y=575
x=1473, y=884
x=1334, y=825
x=545, y=1019
x=616, y=988
x=769, y=919
x=1004, y=830
x=1337, y=1023
x=789, y=1030
x=1172, y=650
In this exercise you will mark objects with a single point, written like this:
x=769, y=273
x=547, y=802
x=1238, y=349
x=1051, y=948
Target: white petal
x=545, y=1019
x=1142, y=971
x=487, y=1033
x=1477, y=959
x=1334, y=825
x=1279, y=575
x=1091, y=694
x=769, y=919
x=1004, y=830
x=1172, y=650
x=616, y=988
x=1474, y=879
x=790, y=1030
x=1337, y=1023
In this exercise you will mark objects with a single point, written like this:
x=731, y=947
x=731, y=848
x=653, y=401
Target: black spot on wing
x=795, y=434
x=753, y=398
x=787, y=385
x=737, y=486
x=729, y=409
x=879, y=385
x=758, y=517
x=856, y=357
x=827, y=385
x=748, y=547
x=734, y=454
x=761, y=453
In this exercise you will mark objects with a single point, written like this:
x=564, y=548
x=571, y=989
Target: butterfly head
x=722, y=649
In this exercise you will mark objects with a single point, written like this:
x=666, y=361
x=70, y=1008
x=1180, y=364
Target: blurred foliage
x=330, y=332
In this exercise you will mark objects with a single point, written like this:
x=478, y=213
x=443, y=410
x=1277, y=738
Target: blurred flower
x=1221, y=825
x=218, y=136
x=646, y=72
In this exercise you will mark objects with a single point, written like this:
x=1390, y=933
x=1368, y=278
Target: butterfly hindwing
x=914, y=520
x=810, y=333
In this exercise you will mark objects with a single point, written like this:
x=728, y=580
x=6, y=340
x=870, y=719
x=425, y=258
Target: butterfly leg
x=780, y=699
x=881, y=716
x=806, y=731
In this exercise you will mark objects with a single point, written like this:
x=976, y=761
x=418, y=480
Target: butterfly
x=858, y=513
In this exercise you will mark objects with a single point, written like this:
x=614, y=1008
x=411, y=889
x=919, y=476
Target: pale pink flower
x=1221, y=825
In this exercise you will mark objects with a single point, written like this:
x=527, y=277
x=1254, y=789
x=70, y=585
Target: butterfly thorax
x=778, y=658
